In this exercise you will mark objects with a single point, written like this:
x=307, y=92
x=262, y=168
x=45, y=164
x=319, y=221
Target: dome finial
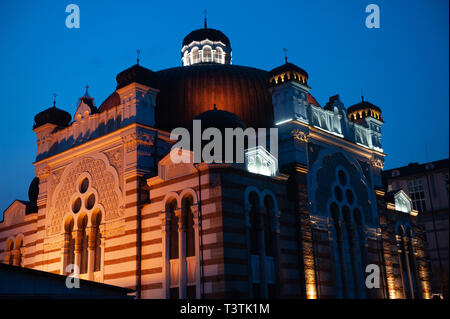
x=54, y=100
x=215, y=107
x=285, y=55
x=87, y=90
x=204, y=11
x=138, y=53
x=362, y=95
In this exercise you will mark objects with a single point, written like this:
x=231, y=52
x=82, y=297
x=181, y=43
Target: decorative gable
x=15, y=213
x=177, y=163
x=259, y=161
x=402, y=202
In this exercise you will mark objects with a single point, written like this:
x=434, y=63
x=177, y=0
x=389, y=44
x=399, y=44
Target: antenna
x=205, y=12
x=285, y=54
x=138, y=53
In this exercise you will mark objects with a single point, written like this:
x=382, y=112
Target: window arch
x=195, y=55
x=9, y=251
x=407, y=261
x=254, y=222
x=189, y=222
x=13, y=250
x=349, y=245
x=207, y=54
x=186, y=58
x=96, y=219
x=219, y=56
x=173, y=229
x=269, y=227
x=69, y=243
x=82, y=245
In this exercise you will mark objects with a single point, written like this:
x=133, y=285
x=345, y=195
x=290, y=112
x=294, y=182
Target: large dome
x=187, y=91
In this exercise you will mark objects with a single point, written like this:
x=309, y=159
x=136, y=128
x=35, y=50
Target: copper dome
x=187, y=91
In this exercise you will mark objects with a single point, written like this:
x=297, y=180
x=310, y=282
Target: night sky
x=403, y=67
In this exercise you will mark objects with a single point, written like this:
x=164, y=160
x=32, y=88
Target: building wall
x=435, y=217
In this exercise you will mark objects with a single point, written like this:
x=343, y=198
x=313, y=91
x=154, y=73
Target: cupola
x=288, y=72
x=206, y=45
x=52, y=115
x=358, y=112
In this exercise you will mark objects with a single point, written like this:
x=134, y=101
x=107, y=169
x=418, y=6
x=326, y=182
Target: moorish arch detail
x=115, y=157
x=330, y=165
x=105, y=181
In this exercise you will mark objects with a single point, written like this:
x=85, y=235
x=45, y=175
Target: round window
x=342, y=177
x=76, y=206
x=84, y=185
x=90, y=201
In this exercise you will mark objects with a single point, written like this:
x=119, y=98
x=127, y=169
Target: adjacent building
x=427, y=186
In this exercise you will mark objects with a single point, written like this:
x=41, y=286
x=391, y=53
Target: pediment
x=15, y=213
x=177, y=163
x=403, y=202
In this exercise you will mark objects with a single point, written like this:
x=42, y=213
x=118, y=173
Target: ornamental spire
x=285, y=55
x=54, y=100
x=204, y=11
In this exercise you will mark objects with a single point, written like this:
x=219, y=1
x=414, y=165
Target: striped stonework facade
x=115, y=205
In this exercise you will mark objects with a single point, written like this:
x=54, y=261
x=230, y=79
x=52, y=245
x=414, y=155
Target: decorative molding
x=133, y=140
x=115, y=158
x=377, y=162
x=299, y=136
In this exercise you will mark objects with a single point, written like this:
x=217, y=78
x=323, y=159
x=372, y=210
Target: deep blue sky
x=403, y=67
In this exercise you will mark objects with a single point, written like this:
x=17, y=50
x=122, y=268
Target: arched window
x=403, y=262
x=195, y=55
x=18, y=249
x=219, y=56
x=352, y=260
x=69, y=243
x=340, y=253
x=407, y=262
x=96, y=221
x=170, y=209
x=186, y=58
x=360, y=234
x=254, y=223
x=189, y=222
x=412, y=262
x=269, y=231
x=83, y=243
x=207, y=54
